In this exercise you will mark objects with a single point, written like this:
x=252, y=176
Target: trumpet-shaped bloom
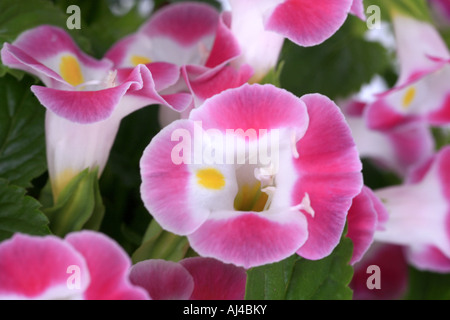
x=192, y=36
x=254, y=175
x=85, y=98
x=419, y=214
x=423, y=88
x=195, y=278
x=366, y=215
x=85, y=265
x=262, y=25
x=398, y=149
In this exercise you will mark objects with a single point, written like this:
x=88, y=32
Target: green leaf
x=417, y=9
x=160, y=244
x=297, y=278
x=270, y=282
x=425, y=285
x=79, y=206
x=19, y=212
x=336, y=68
x=22, y=133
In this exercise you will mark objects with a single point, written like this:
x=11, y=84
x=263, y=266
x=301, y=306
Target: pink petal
x=225, y=45
x=308, y=23
x=357, y=9
x=253, y=107
x=108, y=265
x=185, y=23
x=250, y=239
x=380, y=115
x=330, y=173
x=165, y=184
x=205, y=83
x=417, y=41
x=366, y=215
x=394, y=273
x=93, y=106
x=215, y=280
x=163, y=280
x=429, y=258
x=34, y=267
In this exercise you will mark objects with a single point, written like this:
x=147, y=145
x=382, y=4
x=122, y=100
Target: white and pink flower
x=262, y=25
x=423, y=87
x=194, y=278
x=193, y=36
x=84, y=265
x=254, y=175
x=419, y=214
x=85, y=98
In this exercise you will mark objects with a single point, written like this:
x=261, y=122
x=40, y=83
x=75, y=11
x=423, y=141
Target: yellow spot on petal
x=70, y=70
x=408, y=98
x=210, y=178
x=135, y=60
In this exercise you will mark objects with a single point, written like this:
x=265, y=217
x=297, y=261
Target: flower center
x=70, y=70
x=256, y=196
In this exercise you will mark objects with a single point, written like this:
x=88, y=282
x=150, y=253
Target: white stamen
x=305, y=205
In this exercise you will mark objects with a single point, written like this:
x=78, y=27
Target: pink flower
x=85, y=98
x=419, y=214
x=262, y=25
x=254, y=175
x=191, y=36
x=366, y=215
x=390, y=263
x=423, y=88
x=85, y=265
x=397, y=149
x=190, y=279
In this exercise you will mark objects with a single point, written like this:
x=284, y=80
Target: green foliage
x=297, y=278
x=336, y=68
x=22, y=142
x=19, y=212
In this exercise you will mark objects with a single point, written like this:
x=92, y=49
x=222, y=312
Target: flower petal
x=163, y=280
x=366, y=215
x=253, y=107
x=108, y=265
x=166, y=178
x=330, y=173
x=34, y=267
x=250, y=239
x=308, y=23
x=215, y=280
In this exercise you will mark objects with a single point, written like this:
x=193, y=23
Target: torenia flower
x=423, y=87
x=85, y=98
x=254, y=175
x=191, y=36
x=195, y=278
x=419, y=214
x=397, y=149
x=84, y=265
x=262, y=25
